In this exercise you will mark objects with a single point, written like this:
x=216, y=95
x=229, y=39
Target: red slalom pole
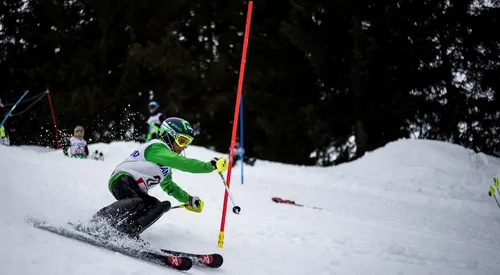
x=53, y=118
x=235, y=122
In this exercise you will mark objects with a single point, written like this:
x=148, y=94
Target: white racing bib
x=146, y=174
x=77, y=146
x=154, y=119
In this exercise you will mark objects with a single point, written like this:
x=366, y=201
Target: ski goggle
x=183, y=140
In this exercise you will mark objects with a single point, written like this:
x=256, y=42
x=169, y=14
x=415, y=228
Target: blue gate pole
x=12, y=109
x=242, y=151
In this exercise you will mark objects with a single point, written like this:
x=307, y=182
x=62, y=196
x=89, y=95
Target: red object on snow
x=280, y=200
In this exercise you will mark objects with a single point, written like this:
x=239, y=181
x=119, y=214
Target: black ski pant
x=134, y=211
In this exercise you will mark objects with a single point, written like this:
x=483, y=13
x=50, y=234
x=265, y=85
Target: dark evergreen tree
x=325, y=81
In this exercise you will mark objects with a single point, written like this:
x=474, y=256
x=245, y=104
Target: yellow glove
x=195, y=204
x=219, y=164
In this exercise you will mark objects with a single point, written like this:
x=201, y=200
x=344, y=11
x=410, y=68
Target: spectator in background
x=76, y=146
x=154, y=121
x=3, y=136
x=237, y=154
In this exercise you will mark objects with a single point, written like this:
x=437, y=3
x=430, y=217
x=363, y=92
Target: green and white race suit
x=152, y=163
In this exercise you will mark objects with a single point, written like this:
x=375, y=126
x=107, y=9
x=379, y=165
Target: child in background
x=154, y=121
x=238, y=150
x=76, y=147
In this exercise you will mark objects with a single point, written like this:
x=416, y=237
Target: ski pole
x=492, y=191
x=236, y=209
x=179, y=206
x=13, y=107
x=495, y=197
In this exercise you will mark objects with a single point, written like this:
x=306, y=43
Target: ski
x=213, y=260
x=177, y=262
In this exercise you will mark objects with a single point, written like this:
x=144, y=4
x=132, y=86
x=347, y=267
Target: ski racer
x=154, y=121
x=152, y=164
x=76, y=146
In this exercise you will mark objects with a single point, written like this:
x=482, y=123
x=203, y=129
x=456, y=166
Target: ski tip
x=180, y=263
x=217, y=261
x=34, y=221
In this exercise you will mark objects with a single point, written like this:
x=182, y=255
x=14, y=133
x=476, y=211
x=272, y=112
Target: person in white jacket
x=76, y=146
x=154, y=121
x=238, y=151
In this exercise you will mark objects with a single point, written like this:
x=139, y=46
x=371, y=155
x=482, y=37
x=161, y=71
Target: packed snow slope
x=412, y=207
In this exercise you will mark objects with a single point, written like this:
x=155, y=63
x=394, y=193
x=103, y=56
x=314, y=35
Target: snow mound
x=411, y=207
